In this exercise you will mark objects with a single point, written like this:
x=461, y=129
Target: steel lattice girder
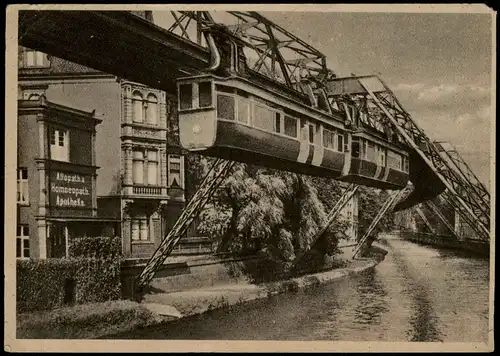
x=180, y=48
x=424, y=219
x=441, y=217
x=337, y=208
x=389, y=204
x=451, y=200
x=218, y=172
x=373, y=88
x=463, y=168
x=460, y=186
x=271, y=50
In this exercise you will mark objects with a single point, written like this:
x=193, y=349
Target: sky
x=438, y=65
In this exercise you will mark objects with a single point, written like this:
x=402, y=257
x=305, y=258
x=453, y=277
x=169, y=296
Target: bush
x=91, y=274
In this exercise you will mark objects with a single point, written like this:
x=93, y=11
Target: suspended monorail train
x=234, y=119
x=238, y=114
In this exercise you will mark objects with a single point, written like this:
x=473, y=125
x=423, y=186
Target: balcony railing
x=146, y=132
x=146, y=190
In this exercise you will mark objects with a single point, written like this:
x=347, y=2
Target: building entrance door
x=57, y=240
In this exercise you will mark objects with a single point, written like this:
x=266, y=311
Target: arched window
x=152, y=110
x=137, y=107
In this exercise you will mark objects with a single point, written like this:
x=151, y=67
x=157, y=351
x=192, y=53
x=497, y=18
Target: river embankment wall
x=467, y=245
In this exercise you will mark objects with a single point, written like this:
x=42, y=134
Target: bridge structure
x=130, y=47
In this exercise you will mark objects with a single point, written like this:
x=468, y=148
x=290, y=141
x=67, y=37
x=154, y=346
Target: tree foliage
x=370, y=202
x=262, y=209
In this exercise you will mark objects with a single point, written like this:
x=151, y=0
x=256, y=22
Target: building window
x=36, y=59
x=140, y=228
x=151, y=110
x=59, y=145
x=152, y=158
x=174, y=171
x=22, y=186
x=138, y=167
x=23, y=242
x=137, y=107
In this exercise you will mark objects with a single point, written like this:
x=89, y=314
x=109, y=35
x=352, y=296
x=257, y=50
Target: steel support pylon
x=346, y=196
x=424, y=219
x=388, y=204
x=441, y=217
x=218, y=172
x=481, y=216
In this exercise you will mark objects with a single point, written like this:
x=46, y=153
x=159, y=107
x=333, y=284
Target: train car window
x=290, y=126
x=205, y=94
x=311, y=133
x=355, y=148
x=371, y=154
x=303, y=130
x=394, y=160
x=225, y=107
x=333, y=143
x=364, y=153
x=263, y=118
x=243, y=111
x=406, y=164
x=340, y=143
x=381, y=155
x=277, y=122
x=326, y=138
x=186, y=96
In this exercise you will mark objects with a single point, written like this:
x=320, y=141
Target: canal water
x=418, y=293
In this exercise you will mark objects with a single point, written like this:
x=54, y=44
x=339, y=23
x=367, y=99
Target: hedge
x=91, y=275
x=96, y=247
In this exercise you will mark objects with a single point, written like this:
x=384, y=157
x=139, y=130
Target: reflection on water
x=416, y=294
x=424, y=320
x=371, y=301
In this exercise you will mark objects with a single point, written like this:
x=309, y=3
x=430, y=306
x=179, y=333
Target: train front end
x=197, y=114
